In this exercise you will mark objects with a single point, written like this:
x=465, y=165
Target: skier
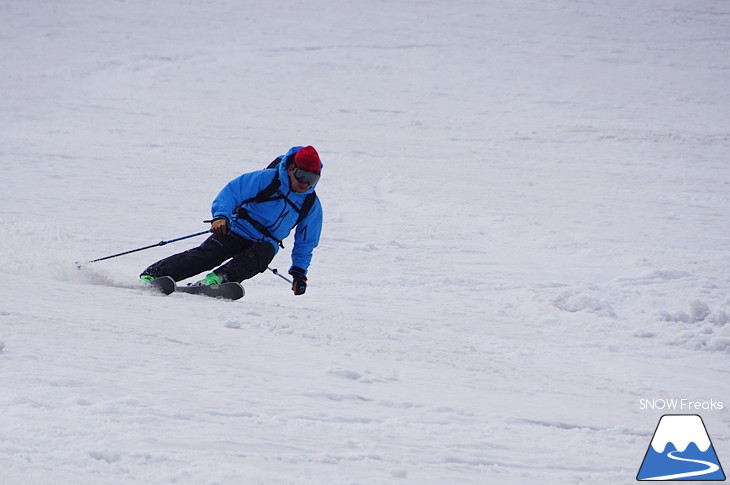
x=252, y=214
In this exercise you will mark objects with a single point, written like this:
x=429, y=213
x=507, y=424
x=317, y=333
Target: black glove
x=300, y=281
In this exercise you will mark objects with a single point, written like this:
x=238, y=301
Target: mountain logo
x=681, y=450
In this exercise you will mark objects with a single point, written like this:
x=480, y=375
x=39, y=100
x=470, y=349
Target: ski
x=227, y=291
x=164, y=284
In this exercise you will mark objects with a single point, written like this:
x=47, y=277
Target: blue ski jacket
x=278, y=216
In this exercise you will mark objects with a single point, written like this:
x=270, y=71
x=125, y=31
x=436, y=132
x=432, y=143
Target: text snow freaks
x=680, y=405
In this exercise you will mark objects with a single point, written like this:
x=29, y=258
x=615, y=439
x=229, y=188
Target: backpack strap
x=267, y=193
x=275, y=163
x=306, y=206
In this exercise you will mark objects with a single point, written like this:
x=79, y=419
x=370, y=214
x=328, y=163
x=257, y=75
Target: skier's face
x=295, y=184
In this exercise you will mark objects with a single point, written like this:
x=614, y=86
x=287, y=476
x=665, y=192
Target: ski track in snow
x=526, y=217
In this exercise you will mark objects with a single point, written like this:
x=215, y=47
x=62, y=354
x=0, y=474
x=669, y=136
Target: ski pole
x=276, y=272
x=161, y=243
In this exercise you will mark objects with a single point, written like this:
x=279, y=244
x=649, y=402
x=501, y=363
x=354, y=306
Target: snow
x=527, y=208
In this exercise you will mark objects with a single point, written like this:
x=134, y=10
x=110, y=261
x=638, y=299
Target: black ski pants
x=247, y=259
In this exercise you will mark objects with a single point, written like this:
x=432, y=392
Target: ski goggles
x=304, y=177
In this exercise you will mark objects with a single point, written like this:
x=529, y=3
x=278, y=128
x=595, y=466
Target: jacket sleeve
x=306, y=238
x=234, y=193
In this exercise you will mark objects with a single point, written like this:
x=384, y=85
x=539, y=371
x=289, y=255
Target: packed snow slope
x=527, y=213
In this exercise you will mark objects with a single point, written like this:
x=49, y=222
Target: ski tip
x=165, y=284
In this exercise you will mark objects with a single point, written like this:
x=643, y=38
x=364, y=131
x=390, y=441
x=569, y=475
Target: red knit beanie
x=307, y=159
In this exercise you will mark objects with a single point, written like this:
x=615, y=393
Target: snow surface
x=527, y=212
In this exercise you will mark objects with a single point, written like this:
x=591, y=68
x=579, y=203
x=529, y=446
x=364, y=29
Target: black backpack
x=272, y=192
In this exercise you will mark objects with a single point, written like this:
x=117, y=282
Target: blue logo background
x=687, y=432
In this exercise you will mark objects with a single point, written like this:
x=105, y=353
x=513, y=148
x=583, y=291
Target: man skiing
x=252, y=214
